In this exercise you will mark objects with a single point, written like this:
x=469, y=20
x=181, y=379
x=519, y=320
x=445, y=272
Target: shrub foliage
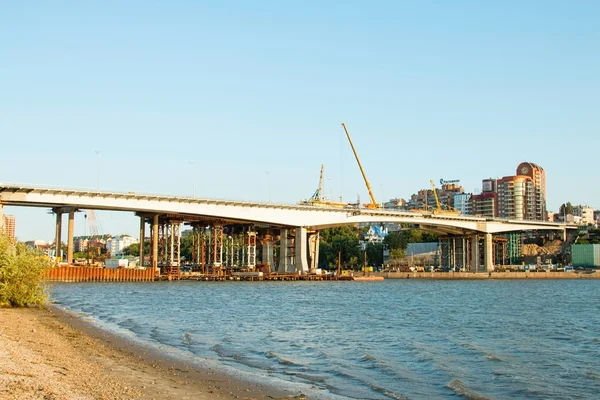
x=21, y=275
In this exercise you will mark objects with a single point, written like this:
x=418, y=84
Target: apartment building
x=538, y=195
x=9, y=226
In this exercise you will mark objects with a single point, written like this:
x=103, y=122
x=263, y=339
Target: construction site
x=229, y=249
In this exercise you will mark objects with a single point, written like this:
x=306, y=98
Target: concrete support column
x=454, y=253
x=70, y=236
x=313, y=248
x=488, y=253
x=267, y=251
x=58, y=236
x=1, y=218
x=474, y=253
x=465, y=254
x=301, y=262
x=283, y=251
x=155, y=242
x=142, y=234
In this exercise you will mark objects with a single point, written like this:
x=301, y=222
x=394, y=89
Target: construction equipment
x=373, y=203
x=318, y=198
x=439, y=209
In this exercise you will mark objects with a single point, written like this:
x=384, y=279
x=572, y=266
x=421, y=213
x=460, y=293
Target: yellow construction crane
x=439, y=206
x=373, y=203
x=318, y=198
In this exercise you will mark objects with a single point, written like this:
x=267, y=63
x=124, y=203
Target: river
x=397, y=339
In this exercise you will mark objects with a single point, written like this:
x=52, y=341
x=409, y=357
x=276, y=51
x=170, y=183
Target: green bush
x=21, y=275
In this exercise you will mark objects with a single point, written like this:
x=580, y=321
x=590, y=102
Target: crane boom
x=437, y=201
x=321, y=184
x=373, y=201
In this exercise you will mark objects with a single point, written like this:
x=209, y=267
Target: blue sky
x=431, y=89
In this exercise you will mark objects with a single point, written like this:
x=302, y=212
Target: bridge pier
x=283, y=251
x=301, y=262
x=313, y=248
x=142, y=235
x=267, y=250
x=154, y=240
x=58, y=235
x=474, y=253
x=488, y=253
x=70, y=230
x=1, y=218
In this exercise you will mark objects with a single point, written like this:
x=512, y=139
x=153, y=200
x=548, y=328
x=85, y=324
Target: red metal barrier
x=93, y=274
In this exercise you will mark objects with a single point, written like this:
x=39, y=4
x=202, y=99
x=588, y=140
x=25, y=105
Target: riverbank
x=49, y=354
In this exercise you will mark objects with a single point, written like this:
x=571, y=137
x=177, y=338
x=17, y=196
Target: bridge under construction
x=242, y=235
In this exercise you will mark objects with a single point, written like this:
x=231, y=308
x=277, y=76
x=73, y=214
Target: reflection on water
x=395, y=339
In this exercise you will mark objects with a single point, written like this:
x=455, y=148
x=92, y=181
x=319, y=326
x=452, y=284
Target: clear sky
x=240, y=94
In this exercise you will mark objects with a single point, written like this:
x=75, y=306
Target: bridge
x=165, y=214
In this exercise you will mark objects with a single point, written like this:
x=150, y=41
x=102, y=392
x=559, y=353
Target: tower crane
x=318, y=198
x=373, y=204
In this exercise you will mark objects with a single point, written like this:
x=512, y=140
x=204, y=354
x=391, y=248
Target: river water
x=398, y=339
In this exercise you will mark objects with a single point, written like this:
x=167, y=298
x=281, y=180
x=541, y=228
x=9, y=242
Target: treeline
x=344, y=241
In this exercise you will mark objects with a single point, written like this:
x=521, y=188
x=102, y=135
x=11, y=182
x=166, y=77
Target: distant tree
x=374, y=254
x=566, y=208
x=344, y=239
x=134, y=249
x=401, y=239
x=396, y=255
x=395, y=240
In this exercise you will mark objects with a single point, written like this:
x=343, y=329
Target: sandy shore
x=47, y=354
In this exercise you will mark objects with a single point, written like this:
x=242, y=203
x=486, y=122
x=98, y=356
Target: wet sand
x=48, y=354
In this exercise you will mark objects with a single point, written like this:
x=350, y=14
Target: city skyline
x=246, y=102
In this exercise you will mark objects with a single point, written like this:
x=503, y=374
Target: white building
x=116, y=245
x=461, y=203
x=586, y=213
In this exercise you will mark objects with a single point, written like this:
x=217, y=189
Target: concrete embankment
x=492, y=275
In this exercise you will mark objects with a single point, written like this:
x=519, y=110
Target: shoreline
x=50, y=353
x=493, y=275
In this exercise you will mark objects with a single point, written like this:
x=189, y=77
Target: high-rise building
x=521, y=197
x=9, y=225
x=484, y=204
x=538, y=198
x=515, y=195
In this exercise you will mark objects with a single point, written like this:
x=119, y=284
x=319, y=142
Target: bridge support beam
x=283, y=251
x=58, y=236
x=474, y=253
x=488, y=253
x=70, y=236
x=301, y=262
x=313, y=248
